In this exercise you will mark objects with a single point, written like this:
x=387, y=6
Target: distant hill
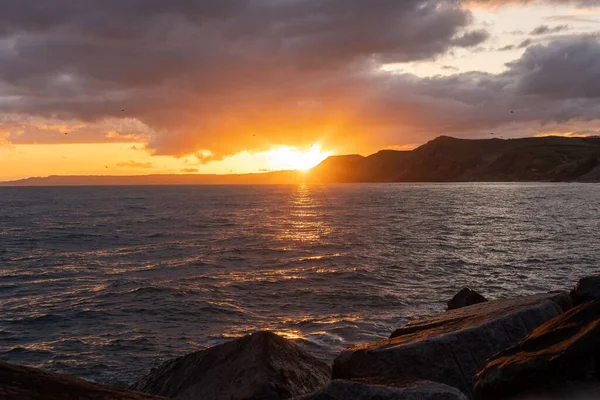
x=279, y=177
x=447, y=159
x=444, y=159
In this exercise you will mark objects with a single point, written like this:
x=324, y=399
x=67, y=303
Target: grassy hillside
x=447, y=159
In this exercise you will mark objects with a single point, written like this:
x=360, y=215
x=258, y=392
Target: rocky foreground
x=542, y=347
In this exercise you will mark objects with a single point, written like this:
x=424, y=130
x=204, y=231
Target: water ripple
x=105, y=283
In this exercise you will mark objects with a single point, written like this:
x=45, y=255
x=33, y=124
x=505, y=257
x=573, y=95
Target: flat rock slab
x=259, y=366
x=25, y=383
x=560, y=354
x=452, y=347
x=365, y=390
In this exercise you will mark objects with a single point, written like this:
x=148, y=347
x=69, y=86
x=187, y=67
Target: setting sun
x=287, y=157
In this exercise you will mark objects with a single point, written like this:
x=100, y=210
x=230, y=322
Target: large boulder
x=586, y=289
x=259, y=366
x=376, y=390
x=464, y=298
x=25, y=383
x=452, y=347
x=560, y=354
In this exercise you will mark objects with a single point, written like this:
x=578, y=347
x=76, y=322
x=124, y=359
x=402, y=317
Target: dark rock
x=25, y=383
x=259, y=366
x=465, y=297
x=375, y=390
x=560, y=353
x=449, y=348
x=564, y=301
x=343, y=390
x=586, y=289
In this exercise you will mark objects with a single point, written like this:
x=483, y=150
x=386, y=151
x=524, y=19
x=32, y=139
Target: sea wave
x=105, y=283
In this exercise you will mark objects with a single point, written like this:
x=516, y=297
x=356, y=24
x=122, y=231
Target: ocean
x=108, y=282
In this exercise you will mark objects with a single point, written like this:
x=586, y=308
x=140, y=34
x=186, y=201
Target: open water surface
x=107, y=282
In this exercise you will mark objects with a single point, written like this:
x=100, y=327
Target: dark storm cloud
x=196, y=71
x=146, y=42
x=539, y=91
x=565, y=69
x=552, y=83
x=244, y=74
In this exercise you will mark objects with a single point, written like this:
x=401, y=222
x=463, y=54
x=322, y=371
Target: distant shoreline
x=11, y=184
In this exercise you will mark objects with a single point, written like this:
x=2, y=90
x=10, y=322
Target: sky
x=132, y=87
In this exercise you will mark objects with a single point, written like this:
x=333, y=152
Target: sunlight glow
x=131, y=158
x=288, y=157
x=563, y=134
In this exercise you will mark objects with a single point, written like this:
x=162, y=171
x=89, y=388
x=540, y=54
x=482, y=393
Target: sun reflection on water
x=305, y=221
x=289, y=334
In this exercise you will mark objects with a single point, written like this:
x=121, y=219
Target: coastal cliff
x=447, y=159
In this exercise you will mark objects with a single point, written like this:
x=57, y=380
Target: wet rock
x=561, y=353
x=25, y=383
x=368, y=389
x=259, y=366
x=449, y=348
x=464, y=298
x=586, y=289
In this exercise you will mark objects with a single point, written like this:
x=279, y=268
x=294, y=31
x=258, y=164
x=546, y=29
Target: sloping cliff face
x=447, y=159
x=380, y=167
